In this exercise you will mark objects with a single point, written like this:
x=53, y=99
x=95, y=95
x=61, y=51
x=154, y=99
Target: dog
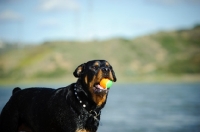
x=74, y=108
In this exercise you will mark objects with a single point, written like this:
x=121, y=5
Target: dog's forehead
x=98, y=63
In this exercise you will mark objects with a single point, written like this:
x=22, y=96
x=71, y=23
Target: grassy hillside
x=164, y=56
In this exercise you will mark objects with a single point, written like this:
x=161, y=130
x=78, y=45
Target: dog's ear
x=113, y=74
x=79, y=70
x=114, y=77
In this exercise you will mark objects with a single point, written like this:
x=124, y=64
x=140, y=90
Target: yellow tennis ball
x=106, y=83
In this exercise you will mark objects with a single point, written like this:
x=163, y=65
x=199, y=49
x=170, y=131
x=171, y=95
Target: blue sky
x=44, y=20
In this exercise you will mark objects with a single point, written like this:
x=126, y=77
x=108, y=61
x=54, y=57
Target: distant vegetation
x=164, y=56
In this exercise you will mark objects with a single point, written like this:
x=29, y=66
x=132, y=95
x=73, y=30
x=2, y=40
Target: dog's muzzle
x=100, y=90
x=106, y=72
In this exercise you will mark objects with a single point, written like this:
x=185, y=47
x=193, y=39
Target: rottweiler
x=74, y=108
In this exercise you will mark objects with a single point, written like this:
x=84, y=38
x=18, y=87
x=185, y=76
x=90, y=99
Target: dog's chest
x=82, y=130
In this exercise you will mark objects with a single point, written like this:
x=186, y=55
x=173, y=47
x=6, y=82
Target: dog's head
x=91, y=73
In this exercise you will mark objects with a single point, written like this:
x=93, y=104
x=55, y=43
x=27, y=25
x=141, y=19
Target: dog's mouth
x=98, y=89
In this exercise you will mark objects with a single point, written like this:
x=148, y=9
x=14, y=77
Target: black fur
x=53, y=110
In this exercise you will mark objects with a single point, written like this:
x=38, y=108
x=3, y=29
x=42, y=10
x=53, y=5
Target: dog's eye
x=96, y=67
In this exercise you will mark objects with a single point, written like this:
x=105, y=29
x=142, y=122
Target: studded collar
x=80, y=94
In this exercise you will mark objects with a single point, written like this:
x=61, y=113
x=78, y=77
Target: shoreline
x=164, y=78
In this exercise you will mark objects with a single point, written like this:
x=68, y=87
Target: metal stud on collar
x=76, y=94
x=92, y=113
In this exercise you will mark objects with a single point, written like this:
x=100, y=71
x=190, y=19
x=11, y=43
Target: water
x=147, y=108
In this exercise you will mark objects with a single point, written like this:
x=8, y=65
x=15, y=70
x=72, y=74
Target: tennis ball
x=106, y=83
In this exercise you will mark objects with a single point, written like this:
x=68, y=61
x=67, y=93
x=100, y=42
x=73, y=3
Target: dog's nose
x=105, y=69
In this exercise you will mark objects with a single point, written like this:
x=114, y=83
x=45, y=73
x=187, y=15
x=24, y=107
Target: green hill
x=163, y=56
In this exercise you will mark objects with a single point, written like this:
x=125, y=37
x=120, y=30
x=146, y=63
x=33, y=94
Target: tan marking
x=107, y=64
x=99, y=99
x=111, y=76
x=82, y=130
x=79, y=70
x=86, y=79
x=96, y=64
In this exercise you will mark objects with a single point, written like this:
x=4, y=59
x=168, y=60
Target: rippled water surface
x=147, y=108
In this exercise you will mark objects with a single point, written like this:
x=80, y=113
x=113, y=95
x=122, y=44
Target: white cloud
x=9, y=15
x=56, y=5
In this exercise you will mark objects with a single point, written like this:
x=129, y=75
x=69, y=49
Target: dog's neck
x=84, y=98
x=79, y=93
x=89, y=107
